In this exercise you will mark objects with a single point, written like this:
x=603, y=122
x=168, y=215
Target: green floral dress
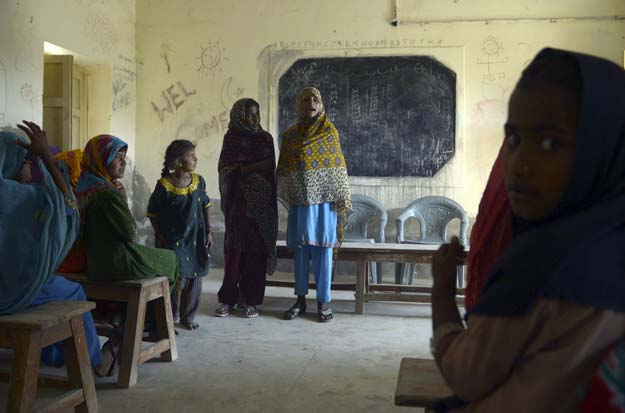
x=112, y=254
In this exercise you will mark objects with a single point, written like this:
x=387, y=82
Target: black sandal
x=325, y=315
x=295, y=311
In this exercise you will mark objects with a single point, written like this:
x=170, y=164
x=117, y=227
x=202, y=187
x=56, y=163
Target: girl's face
x=118, y=165
x=188, y=161
x=24, y=175
x=252, y=118
x=538, y=149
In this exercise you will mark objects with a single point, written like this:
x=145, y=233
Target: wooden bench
x=363, y=253
x=137, y=293
x=27, y=332
x=420, y=384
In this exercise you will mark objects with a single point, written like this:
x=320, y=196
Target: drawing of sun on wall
x=210, y=58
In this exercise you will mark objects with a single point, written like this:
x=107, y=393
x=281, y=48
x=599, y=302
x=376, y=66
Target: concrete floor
x=267, y=364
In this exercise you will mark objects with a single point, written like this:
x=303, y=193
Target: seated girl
x=107, y=223
x=39, y=225
x=553, y=304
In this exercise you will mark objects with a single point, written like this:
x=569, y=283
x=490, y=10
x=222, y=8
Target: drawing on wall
x=4, y=93
x=493, y=81
x=229, y=94
x=166, y=50
x=210, y=58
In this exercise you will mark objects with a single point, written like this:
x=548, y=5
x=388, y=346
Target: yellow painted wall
x=208, y=53
x=204, y=54
x=101, y=35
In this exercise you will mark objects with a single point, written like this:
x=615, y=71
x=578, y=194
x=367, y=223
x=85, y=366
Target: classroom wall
x=101, y=36
x=196, y=57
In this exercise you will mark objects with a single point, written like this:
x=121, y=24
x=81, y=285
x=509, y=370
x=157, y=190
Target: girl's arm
x=154, y=206
x=39, y=146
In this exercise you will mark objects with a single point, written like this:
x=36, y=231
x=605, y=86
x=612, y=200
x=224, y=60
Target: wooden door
x=57, y=99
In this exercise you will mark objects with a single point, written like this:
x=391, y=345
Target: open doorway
x=76, y=97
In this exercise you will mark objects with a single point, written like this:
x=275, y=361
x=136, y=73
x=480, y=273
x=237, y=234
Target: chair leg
x=374, y=273
x=460, y=275
x=79, y=367
x=23, y=380
x=411, y=269
x=165, y=323
x=399, y=273
x=378, y=270
x=133, y=336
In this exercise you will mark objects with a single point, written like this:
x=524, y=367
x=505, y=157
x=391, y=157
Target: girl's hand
x=444, y=266
x=209, y=239
x=38, y=140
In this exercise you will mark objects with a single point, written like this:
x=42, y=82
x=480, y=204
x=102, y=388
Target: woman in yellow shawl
x=312, y=180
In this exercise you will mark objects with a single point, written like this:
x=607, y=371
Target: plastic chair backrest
x=365, y=209
x=433, y=214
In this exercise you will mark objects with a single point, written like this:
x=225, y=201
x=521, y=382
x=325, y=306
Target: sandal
x=325, y=315
x=250, y=311
x=223, y=310
x=295, y=311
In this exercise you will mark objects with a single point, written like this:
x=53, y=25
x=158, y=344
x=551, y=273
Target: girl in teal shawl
x=39, y=225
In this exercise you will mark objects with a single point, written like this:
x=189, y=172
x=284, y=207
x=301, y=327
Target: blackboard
x=396, y=115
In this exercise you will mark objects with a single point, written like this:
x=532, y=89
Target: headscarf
x=578, y=254
x=98, y=154
x=311, y=169
x=244, y=145
x=72, y=159
x=491, y=233
x=237, y=117
x=300, y=103
x=38, y=228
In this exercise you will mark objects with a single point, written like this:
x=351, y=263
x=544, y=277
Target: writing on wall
x=171, y=99
x=396, y=115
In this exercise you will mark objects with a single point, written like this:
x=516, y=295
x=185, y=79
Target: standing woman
x=247, y=186
x=312, y=180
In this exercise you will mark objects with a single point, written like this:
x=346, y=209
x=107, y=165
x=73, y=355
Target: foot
x=250, y=311
x=222, y=310
x=110, y=355
x=190, y=325
x=324, y=315
x=241, y=302
x=295, y=311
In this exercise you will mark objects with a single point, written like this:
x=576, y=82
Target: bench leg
x=79, y=367
x=361, y=274
x=165, y=323
x=133, y=336
x=23, y=380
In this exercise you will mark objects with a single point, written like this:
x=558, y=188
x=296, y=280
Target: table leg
x=361, y=276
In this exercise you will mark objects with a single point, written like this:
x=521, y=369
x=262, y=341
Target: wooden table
x=420, y=384
x=363, y=253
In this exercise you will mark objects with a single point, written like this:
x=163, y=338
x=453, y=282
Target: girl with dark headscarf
x=248, y=200
x=553, y=303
